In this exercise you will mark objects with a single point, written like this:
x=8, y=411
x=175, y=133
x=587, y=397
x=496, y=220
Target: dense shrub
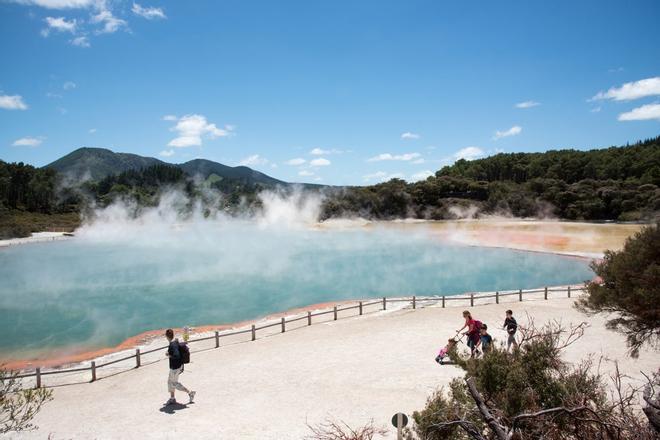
x=629, y=287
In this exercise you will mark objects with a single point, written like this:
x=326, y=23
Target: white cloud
x=254, y=160
x=422, y=175
x=28, y=142
x=170, y=118
x=295, y=162
x=166, y=153
x=418, y=161
x=319, y=152
x=148, y=13
x=322, y=152
x=388, y=156
x=596, y=109
x=92, y=130
x=59, y=4
x=409, y=135
x=469, y=153
x=527, y=104
x=110, y=23
x=305, y=173
x=12, y=102
x=513, y=131
x=320, y=162
x=59, y=24
x=191, y=128
x=643, y=113
x=69, y=85
x=81, y=41
x=381, y=176
x=632, y=90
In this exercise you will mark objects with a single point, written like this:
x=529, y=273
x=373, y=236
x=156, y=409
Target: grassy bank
x=16, y=223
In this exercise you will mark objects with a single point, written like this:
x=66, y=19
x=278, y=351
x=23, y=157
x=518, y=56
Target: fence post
x=38, y=377
x=93, y=371
x=360, y=308
x=384, y=303
x=414, y=302
x=335, y=312
x=217, y=339
x=497, y=297
x=254, y=333
x=520, y=295
x=283, y=324
x=545, y=293
x=472, y=300
x=443, y=301
x=137, y=358
x=309, y=317
x=569, y=291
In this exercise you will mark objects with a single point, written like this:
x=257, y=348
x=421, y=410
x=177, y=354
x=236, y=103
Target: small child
x=451, y=343
x=485, y=339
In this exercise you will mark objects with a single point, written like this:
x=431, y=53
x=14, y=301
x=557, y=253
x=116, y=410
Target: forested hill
x=640, y=161
x=617, y=183
x=97, y=163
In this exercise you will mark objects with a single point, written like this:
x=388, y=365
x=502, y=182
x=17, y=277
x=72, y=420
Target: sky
x=344, y=92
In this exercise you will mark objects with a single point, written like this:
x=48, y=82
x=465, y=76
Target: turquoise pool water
x=99, y=289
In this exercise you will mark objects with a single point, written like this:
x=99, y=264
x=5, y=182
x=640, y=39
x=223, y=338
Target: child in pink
x=445, y=351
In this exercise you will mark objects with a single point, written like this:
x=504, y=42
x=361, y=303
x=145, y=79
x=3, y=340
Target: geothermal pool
x=108, y=284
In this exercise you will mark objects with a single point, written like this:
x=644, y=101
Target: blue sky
x=342, y=92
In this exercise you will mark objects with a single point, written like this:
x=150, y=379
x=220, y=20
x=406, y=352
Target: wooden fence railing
x=415, y=301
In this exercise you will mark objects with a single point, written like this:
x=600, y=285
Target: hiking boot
x=170, y=401
x=191, y=395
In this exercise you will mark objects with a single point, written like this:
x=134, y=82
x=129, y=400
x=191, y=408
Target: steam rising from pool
x=123, y=275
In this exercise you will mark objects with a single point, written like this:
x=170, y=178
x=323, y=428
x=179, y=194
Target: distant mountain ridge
x=96, y=163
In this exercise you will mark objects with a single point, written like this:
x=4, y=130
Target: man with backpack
x=178, y=354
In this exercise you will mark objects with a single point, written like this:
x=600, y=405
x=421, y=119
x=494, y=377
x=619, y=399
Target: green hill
x=97, y=163
x=640, y=161
x=245, y=175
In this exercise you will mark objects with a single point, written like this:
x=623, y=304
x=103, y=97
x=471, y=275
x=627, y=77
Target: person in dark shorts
x=485, y=340
x=176, y=368
x=511, y=327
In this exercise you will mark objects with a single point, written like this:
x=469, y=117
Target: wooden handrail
x=416, y=301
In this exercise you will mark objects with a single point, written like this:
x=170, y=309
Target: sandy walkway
x=353, y=369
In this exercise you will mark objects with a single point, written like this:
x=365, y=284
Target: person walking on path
x=473, y=327
x=176, y=368
x=511, y=327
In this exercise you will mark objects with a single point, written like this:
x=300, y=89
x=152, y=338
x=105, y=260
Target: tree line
x=617, y=183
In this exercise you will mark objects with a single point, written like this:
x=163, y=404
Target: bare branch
x=492, y=422
x=467, y=426
x=332, y=430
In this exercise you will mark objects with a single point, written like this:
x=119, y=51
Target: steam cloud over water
x=122, y=275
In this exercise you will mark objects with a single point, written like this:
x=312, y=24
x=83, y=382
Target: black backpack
x=184, y=352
